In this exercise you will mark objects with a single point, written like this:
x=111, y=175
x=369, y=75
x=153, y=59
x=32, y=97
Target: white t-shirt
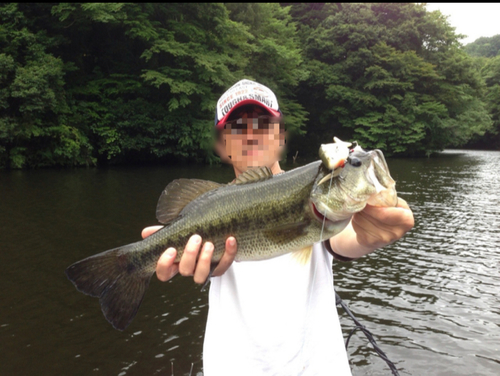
x=275, y=317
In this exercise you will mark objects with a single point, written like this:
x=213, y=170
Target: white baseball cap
x=242, y=93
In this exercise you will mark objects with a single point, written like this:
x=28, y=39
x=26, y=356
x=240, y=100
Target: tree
x=391, y=76
x=273, y=55
x=87, y=82
x=491, y=75
x=484, y=46
x=146, y=74
x=33, y=122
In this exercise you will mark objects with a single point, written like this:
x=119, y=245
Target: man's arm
x=189, y=266
x=373, y=228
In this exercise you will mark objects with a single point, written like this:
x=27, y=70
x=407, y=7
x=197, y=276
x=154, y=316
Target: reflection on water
x=431, y=300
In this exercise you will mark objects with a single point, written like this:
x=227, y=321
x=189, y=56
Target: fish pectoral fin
x=303, y=255
x=178, y=194
x=287, y=232
x=253, y=176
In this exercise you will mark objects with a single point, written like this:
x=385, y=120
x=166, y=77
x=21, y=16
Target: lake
x=431, y=300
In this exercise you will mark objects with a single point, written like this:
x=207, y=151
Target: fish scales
x=238, y=210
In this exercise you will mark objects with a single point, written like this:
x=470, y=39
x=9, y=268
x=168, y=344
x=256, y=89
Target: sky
x=472, y=19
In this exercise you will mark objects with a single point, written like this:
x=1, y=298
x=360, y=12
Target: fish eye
x=353, y=161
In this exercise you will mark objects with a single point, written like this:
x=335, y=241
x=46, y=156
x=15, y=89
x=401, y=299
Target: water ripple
x=436, y=290
x=432, y=300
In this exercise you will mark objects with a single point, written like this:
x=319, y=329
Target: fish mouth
x=378, y=175
x=319, y=216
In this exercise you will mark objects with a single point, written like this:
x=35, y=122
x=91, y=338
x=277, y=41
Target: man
x=274, y=317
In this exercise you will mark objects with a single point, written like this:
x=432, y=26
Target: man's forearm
x=346, y=244
x=373, y=228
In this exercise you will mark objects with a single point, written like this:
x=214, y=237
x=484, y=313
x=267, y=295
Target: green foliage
x=274, y=58
x=491, y=75
x=33, y=128
x=484, y=46
x=87, y=83
x=392, y=76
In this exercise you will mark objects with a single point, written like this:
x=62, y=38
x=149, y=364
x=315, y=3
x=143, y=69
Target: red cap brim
x=246, y=102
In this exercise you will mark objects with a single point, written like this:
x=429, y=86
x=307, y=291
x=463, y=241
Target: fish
x=269, y=215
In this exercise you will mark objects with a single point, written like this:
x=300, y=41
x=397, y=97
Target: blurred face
x=251, y=139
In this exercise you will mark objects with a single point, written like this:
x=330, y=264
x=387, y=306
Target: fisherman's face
x=252, y=140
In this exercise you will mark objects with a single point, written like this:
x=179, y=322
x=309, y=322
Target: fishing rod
x=359, y=326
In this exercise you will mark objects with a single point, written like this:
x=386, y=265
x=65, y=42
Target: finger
x=373, y=234
x=188, y=259
x=227, y=258
x=150, y=230
x=390, y=216
x=373, y=222
x=166, y=268
x=203, y=265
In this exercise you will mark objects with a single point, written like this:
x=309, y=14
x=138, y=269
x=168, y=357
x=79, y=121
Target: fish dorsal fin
x=178, y=194
x=254, y=175
x=303, y=255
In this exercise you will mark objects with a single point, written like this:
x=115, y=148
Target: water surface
x=431, y=300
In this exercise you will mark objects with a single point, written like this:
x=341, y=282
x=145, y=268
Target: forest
x=85, y=84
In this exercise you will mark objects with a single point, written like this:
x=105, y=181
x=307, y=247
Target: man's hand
x=372, y=228
x=195, y=260
x=377, y=227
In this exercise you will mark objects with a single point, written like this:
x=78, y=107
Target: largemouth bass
x=268, y=215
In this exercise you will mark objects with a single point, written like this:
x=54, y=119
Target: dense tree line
x=393, y=76
x=486, y=52
x=484, y=46
x=82, y=84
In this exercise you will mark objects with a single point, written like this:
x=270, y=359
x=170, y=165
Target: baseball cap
x=243, y=93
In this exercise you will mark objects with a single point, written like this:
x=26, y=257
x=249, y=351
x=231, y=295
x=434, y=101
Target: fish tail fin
x=112, y=277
